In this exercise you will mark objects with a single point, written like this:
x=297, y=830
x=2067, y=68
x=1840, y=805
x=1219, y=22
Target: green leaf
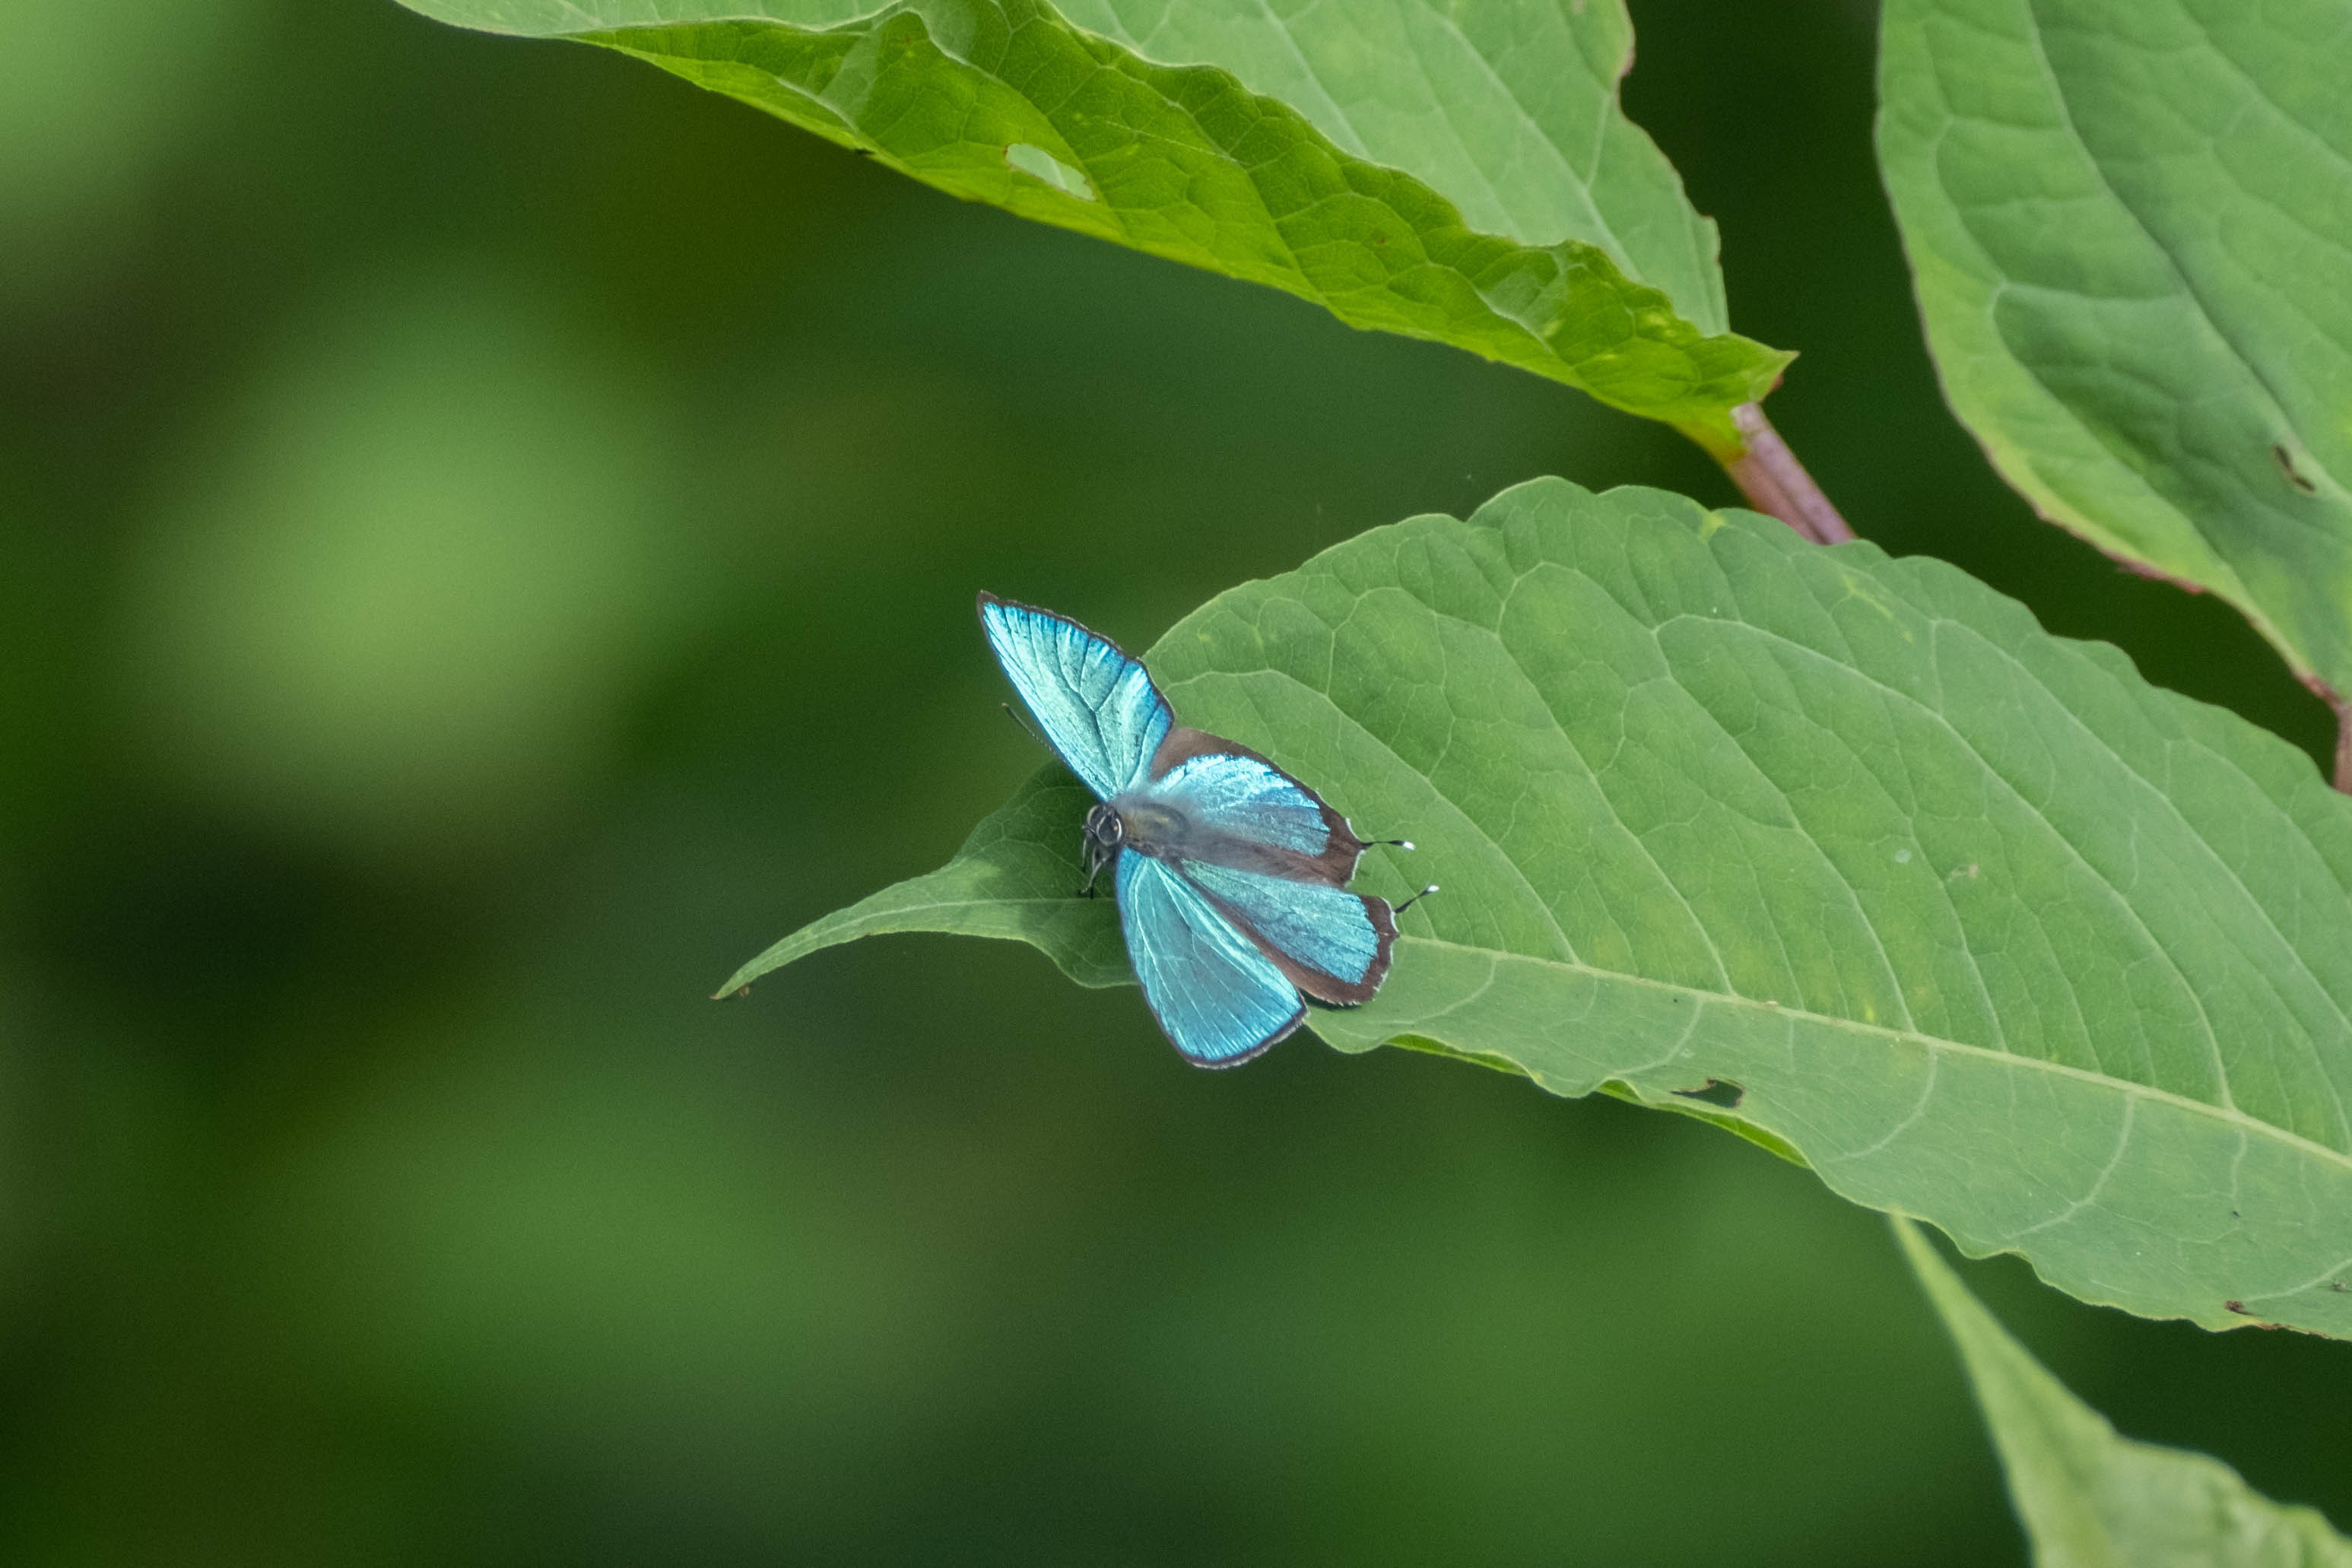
x=2130, y=224
x=2091, y=1499
x=1968, y=917
x=1459, y=171
x=1015, y=878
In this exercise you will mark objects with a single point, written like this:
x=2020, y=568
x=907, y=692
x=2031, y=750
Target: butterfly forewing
x=1219, y=998
x=1097, y=706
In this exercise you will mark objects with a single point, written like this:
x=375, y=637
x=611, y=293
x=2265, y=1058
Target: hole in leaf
x=1716, y=1092
x=2293, y=475
x=1038, y=164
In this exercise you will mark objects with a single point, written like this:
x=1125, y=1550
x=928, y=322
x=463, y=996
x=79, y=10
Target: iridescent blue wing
x=1328, y=943
x=1099, y=708
x=1274, y=858
x=1219, y=999
x=1242, y=810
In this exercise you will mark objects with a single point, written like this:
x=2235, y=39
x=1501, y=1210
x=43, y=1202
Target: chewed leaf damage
x=1040, y=165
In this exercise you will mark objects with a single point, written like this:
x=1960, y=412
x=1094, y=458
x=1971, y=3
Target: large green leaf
x=1459, y=171
x=2090, y=1498
x=2130, y=222
x=1981, y=924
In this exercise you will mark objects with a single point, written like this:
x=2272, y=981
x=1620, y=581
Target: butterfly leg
x=1096, y=858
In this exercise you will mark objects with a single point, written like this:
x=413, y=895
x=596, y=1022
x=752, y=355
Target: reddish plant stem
x=2343, y=779
x=1770, y=476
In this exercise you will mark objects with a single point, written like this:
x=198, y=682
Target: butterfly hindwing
x=1328, y=943
x=1219, y=998
x=1097, y=706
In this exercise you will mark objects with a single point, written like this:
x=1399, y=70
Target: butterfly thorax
x=1135, y=821
x=1159, y=823
x=1160, y=828
x=1153, y=827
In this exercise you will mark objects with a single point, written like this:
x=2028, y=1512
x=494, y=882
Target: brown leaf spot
x=2293, y=475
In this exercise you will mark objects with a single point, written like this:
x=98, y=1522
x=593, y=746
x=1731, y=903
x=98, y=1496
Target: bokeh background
x=486, y=542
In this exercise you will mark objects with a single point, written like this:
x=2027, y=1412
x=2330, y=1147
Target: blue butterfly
x=1231, y=875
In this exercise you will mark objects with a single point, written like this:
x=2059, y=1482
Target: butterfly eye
x=1105, y=827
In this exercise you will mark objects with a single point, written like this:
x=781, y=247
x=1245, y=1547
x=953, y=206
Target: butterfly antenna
x=1015, y=717
x=1415, y=899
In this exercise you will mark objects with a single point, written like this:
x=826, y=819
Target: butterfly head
x=1106, y=833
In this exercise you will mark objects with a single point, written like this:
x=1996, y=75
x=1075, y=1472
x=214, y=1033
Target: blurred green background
x=488, y=536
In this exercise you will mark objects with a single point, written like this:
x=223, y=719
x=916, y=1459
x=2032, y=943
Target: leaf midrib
x=1933, y=624
x=2237, y=1119
x=2224, y=1115
x=1584, y=177
x=2189, y=287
